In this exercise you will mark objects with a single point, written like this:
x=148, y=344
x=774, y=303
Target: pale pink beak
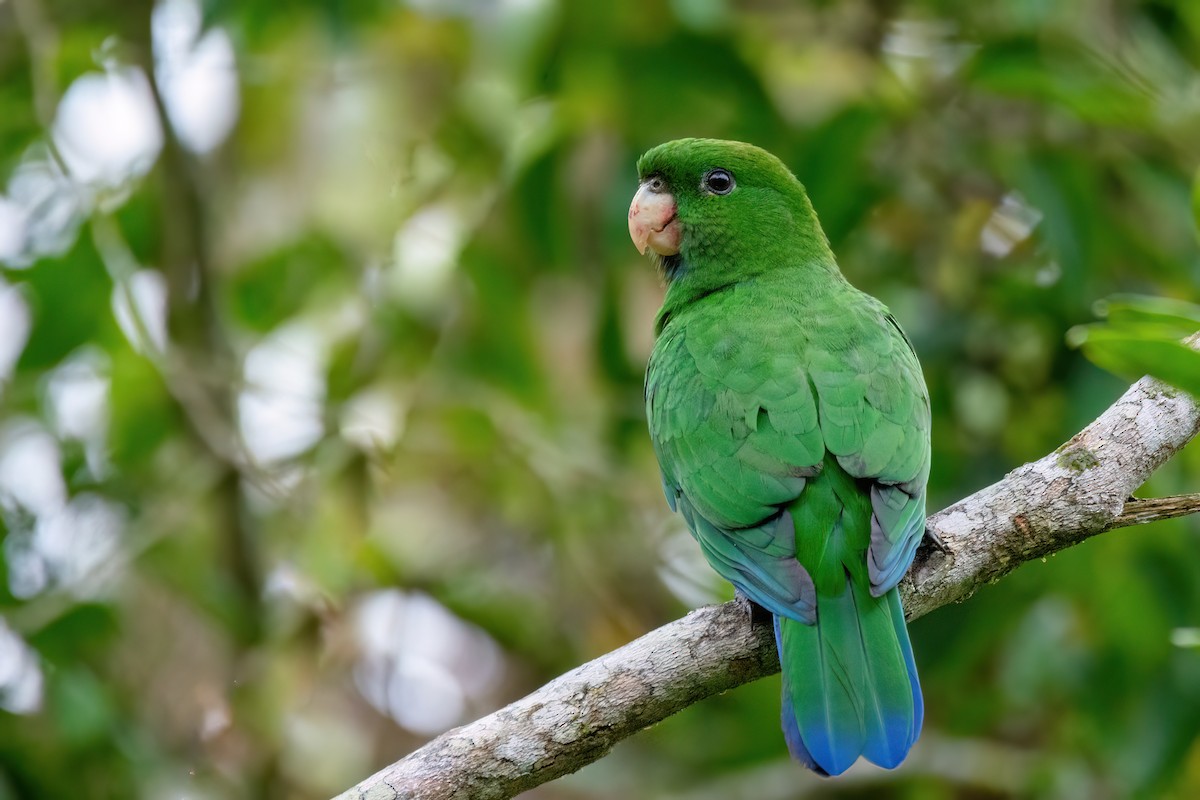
x=652, y=222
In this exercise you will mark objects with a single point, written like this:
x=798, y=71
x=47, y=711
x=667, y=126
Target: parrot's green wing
x=743, y=407
x=736, y=432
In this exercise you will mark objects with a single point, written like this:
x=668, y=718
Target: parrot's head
x=712, y=212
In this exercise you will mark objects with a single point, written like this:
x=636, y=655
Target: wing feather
x=743, y=408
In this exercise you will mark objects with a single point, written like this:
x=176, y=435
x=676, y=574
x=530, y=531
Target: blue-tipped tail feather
x=849, y=682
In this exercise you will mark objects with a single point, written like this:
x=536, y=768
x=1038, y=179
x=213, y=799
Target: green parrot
x=791, y=423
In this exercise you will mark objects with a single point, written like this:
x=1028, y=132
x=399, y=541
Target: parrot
x=791, y=423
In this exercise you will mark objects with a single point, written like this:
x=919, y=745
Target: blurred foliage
x=1143, y=337
x=322, y=432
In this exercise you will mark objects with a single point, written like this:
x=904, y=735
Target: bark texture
x=1081, y=489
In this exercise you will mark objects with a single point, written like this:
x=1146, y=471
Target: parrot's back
x=791, y=422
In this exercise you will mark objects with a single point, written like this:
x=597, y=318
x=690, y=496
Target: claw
x=754, y=612
x=936, y=540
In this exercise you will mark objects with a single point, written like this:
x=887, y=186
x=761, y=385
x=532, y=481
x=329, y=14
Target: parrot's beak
x=652, y=222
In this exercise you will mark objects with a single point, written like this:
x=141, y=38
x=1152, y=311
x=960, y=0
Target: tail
x=849, y=682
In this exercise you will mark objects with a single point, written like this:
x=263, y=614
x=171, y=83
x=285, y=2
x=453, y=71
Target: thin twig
x=1139, y=511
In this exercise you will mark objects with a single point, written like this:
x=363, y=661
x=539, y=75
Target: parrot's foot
x=754, y=612
x=936, y=540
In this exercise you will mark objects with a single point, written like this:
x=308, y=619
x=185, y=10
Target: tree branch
x=1078, y=491
x=1081, y=489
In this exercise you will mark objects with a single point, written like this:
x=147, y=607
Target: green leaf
x=82, y=706
x=1130, y=354
x=264, y=293
x=1126, y=310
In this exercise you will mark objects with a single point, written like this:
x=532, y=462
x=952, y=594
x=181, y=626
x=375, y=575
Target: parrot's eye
x=718, y=181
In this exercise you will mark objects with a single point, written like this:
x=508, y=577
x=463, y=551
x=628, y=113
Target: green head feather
x=764, y=223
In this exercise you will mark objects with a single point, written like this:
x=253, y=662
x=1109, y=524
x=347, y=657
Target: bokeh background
x=321, y=346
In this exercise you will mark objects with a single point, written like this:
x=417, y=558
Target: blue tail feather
x=850, y=685
x=791, y=729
